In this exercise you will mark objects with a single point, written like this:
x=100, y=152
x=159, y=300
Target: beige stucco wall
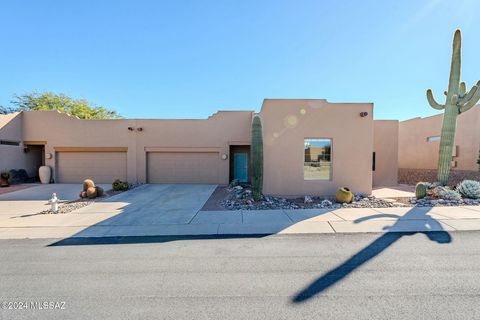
x=12, y=157
x=385, y=146
x=215, y=133
x=286, y=123
x=416, y=153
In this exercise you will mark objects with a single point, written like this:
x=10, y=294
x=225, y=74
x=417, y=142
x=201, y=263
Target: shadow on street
x=374, y=249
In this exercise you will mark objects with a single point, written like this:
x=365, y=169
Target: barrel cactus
x=88, y=183
x=257, y=158
x=469, y=189
x=458, y=100
x=421, y=190
x=344, y=195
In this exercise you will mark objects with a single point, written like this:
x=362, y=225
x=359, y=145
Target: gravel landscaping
x=240, y=198
x=70, y=206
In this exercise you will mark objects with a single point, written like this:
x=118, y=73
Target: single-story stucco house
x=419, y=141
x=311, y=147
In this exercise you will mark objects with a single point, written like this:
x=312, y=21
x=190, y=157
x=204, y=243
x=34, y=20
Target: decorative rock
x=241, y=199
x=100, y=191
x=91, y=193
x=88, y=183
x=326, y=203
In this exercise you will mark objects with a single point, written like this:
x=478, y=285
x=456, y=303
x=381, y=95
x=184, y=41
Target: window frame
x=330, y=177
x=10, y=143
x=435, y=138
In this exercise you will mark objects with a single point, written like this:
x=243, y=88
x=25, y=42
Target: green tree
x=80, y=108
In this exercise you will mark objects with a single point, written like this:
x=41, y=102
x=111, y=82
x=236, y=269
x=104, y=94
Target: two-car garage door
x=102, y=167
x=182, y=167
x=162, y=167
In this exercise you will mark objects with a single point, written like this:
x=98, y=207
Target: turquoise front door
x=240, y=166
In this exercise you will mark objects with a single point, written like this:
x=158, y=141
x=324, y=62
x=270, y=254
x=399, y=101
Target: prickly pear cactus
x=469, y=189
x=458, y=100
x=421, y=190
x=257, y=158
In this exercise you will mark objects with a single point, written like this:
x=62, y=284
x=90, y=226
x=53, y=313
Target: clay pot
x=344, y=195
x=45, y=174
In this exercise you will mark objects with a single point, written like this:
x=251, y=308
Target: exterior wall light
x=48, y=155
x=363, y=114
x=224, y=157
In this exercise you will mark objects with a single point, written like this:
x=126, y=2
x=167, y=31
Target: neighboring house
x=13, y=153
x=311, y=147
x=419, y=140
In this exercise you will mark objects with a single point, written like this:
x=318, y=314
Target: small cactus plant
x=344, y=195
x=257, y=158
x=421, y=190
x=448, y=194
x=91, y=193
x=88, y=183
x=469, y=189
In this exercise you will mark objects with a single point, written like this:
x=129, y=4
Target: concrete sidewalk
x=104, y=219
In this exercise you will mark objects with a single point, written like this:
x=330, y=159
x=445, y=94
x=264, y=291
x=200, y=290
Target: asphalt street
x=330, y=276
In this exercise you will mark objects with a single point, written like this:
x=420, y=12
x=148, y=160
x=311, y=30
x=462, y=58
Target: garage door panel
x=102, y=167
x=182, y=167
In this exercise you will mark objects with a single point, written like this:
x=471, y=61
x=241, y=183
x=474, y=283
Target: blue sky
x=190, y=58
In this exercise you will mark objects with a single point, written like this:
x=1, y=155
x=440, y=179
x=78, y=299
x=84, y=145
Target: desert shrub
x=119, y=185
x=5, y=174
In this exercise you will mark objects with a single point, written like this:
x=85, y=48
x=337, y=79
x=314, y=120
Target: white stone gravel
x=240, y=198
x=71, y=206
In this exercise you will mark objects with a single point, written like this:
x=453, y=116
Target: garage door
x=182, y=167
x=102, y=167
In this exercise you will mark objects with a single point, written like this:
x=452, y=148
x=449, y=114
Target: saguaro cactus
x=257, y=158
x=458, y=100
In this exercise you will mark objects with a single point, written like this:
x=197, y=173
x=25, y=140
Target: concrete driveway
x=32, y=200
x=153, y=204
x=129, y=213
